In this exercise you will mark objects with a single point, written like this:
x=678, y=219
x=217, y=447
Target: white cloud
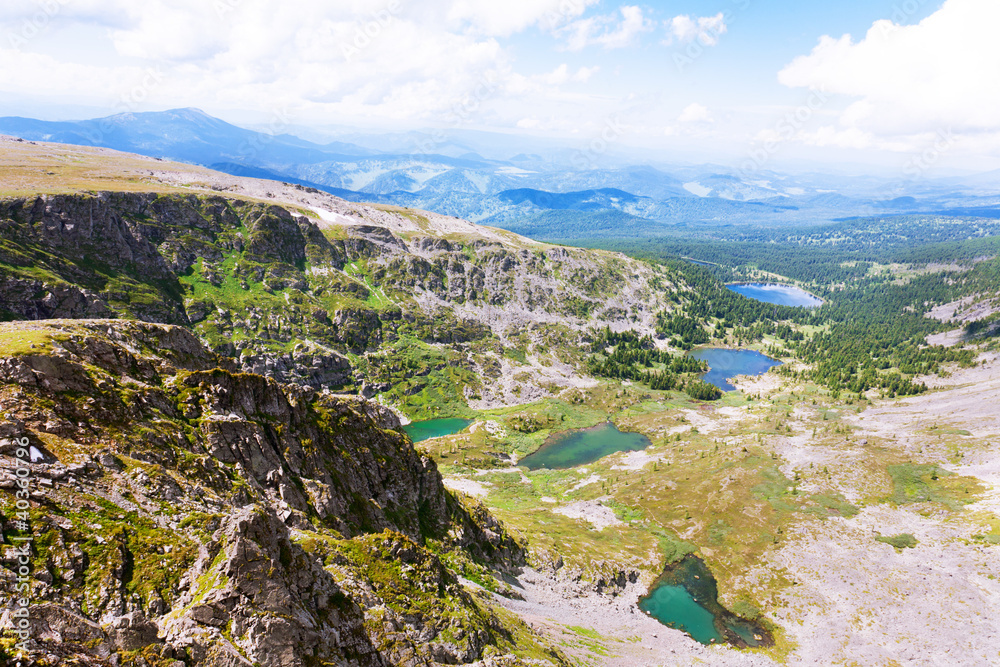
x=324, y=60
x=694, y=121
x=830, y=136
x=910, y=80
x=562, y=75
x=437, y=61
x=695, y=113
x=509, y=16
x=705, y=29
x=602, y=31
x=22, y=72
x=584, y=73
x=104, y=12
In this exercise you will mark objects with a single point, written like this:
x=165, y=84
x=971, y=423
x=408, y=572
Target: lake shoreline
x=552, y=602
x=428, y=429
x=722, y=364
x=552, y=442
x=693, y=575
x=786, y=286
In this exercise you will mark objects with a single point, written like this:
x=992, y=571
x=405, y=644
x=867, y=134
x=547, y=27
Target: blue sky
x=852, y=82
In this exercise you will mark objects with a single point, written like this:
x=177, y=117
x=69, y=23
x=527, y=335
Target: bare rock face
x=255, y=281
x=207, y=499
x=199, y=514
x=264, y=609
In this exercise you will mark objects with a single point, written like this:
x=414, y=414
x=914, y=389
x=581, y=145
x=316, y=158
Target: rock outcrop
x=300, y=300
x=185, y=512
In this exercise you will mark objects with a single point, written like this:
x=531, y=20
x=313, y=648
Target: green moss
x=22, y=340
x=584, y=632
x=413, y=583
x=916, y=483
x=515, y=355
x=212, y=578
x=833, y=504
x=900, y=542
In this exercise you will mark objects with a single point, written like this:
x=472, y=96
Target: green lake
x=685, y=597
x=577, y=448
x=435, y=428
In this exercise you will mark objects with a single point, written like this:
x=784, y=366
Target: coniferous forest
x=876, y=279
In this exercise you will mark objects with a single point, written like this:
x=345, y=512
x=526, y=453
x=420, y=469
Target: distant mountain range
x=525, y=193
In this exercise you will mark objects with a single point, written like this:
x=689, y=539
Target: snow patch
x=514, y=171
x=697, y=189
x=330, y=216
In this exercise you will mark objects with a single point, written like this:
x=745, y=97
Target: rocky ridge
x=328, y=302
x=189, y=513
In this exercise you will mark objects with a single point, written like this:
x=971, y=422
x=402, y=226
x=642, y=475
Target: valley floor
x=836, y=590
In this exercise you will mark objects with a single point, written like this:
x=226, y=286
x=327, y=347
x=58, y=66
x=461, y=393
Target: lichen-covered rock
x=196, y=513
x=293, y=301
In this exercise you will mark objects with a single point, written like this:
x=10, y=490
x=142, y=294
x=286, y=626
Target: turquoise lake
x=435, y=428
x=725, y=364
x=685, y=597
x=577, y=448
x=780, y=295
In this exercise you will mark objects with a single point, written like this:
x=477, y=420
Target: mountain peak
x=190, y=112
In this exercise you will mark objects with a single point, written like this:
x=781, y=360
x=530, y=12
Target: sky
x=902, y=84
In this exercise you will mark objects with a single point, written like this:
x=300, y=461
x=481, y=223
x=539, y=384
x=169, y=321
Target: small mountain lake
x=724, y=364
x=779, y=295
x=435, y=428
x=685, y=597
x=577, y=448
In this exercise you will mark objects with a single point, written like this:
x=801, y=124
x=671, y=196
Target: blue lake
x=698, y=262
x=577, y=448
x=780, y=295
x=434, y=428
x=726, y=364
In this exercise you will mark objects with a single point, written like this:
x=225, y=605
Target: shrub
x=901, y=541
x=702, y=391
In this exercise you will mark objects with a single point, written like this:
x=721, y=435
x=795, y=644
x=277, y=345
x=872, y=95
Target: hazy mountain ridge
x=472, y=187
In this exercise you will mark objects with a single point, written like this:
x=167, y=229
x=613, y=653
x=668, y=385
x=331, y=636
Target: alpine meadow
x=547, y=333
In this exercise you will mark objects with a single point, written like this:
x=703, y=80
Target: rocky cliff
x=186, y=512
x=345, y=301
x=211, y=485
